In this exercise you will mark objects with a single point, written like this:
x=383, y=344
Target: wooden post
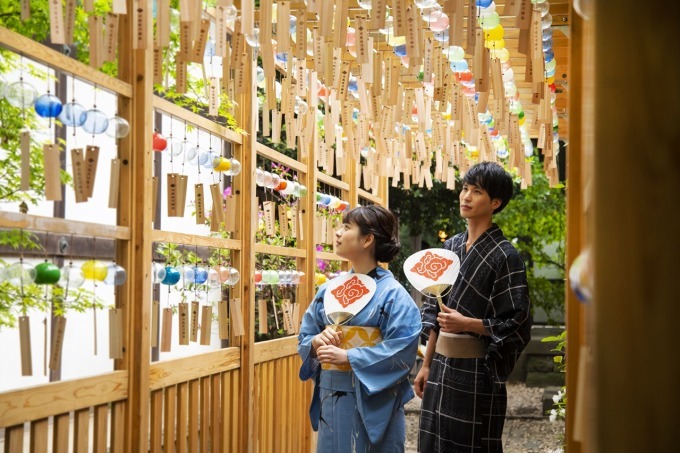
x=635, y=218
x=135, y=211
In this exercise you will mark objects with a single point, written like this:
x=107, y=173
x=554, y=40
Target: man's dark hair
x=493, y=178
x=382, y=224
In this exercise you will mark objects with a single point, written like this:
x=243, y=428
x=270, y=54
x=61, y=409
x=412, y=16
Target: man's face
x=475, y=202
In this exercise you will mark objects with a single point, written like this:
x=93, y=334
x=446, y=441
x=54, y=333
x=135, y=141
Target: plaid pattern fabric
x=463, y=410
x=465, y=399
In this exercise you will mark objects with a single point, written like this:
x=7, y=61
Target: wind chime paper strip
x=269, y=216
x=25, y=346
x=231, y=207
x=120, y=6
x=173, y=186
x=166, y=330
x=155, y=314
x=69, y=22
x=111, y=39
x=51, y=169
x=115, y=333
x=223, y=319
x=114, y=183
x=182, y=195
x=262, y=316
x=140, y=18
x=25, y=141
x=26, y=9
x=236, y=317
x=206, y=324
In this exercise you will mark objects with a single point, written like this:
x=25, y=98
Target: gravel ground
x=527, y=430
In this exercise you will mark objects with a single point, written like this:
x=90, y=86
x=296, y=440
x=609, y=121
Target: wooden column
x=247, y=108
x=636, y=221
x=135, y=67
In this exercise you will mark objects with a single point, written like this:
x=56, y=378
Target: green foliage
x=535, y=221
x=559, y=400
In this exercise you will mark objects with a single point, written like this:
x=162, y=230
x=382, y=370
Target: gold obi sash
x=354, y=337
x=460, y=346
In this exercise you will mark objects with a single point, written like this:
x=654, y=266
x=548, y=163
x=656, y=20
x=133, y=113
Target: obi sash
x=354, y=337
x=459, y=346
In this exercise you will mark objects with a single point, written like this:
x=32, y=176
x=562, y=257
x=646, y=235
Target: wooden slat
x=192, y=239
x=118, y=427
x=64, y=226
x=169, y=406
x=192, y=118
x=331, y=181
x=281, y=251
x=57, y=60
x=14, y=439
x=101, y=424
x=38, y=402
x=171, y=372
x=81, y=431
x=182, y=416
x=274, y=349
x=276, y=156
x=39, y=435
x=216, y=399
x=205, y=415
x=225, y=410
x=369, y=196
x=60, y=433
x=194, y=394
x=156, y=421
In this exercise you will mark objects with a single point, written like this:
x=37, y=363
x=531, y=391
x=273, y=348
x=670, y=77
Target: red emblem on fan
x=432, y=266
x=350, y=292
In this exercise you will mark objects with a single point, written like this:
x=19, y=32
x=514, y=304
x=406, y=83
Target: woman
x=362, y=409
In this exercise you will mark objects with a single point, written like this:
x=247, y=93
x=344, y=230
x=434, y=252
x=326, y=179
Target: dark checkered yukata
x=464, y=402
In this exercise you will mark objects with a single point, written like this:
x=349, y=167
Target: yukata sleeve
x=312, y=324
x=388, y=363
x=509, y=310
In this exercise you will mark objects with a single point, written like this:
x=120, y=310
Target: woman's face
x=349, y=243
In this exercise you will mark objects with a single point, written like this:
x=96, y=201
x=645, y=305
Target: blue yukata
x=362, y=410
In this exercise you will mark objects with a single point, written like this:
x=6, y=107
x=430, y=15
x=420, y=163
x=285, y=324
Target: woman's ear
x=369, y=239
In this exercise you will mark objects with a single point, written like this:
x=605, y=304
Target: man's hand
x=332, y=354
x=421, y=380
x=451, y=321
x=329, y=337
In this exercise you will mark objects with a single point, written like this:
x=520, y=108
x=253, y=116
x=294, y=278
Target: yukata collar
x=377, y=273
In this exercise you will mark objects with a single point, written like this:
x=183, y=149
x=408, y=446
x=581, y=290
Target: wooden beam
x=41, y=401
x=185, y=369
x=266, y=351
x=63, y=226
x=276, y=156
x=192, y=239
x=56, y=60
x=281, y=251
x=331, y=181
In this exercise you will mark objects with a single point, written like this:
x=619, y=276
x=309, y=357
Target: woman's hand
x=329, y=337
x=332, y=354
x=421, y=380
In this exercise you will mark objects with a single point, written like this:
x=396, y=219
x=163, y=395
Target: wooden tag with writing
x=287, y=316
x=181, y=76
x=231, y=207
x=115, y=333
x=25, y=141
x=294, y=222
x=217, y=205
x=26, y=9
x=166, y=330
x=199, y=202
x=199, y=44
x=269, y=208
x=51, y=169
x=223, y=319
x=283, y=221
x=139, y=15
x=56, y=22
x=183, y=323
x=155, y=314
x=69, y=22
x=236, y=317
x=193, y=333
x=173, y=194
x=59, y=327
x=114, y=183
x=206, y=324
x=25, y=346
x=182, y=195
x=111, y=39
x=91, y=159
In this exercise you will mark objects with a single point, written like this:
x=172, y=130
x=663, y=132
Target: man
x=476, y=338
